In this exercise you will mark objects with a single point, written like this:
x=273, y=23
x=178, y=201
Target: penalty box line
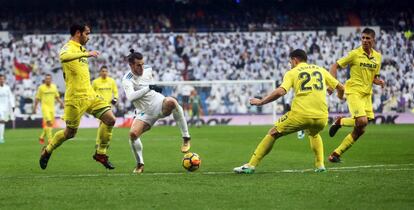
x=381, y=167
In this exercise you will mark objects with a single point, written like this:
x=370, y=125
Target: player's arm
x=59, y=101
x=130, y=93
x=333, y=83
x=377, y=78
x=287, y=83
x=115, y=92
x=379, y=81
x=12, y=104
x=36, y=102
x=66, y=55
x=277, y=93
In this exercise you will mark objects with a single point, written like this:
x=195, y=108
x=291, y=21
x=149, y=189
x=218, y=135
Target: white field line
x=382, y=167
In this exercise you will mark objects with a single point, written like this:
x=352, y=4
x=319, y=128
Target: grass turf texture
x=377, y=173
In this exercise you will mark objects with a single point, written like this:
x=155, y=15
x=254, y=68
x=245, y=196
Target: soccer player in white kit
x=6, y=106
x=150, y=106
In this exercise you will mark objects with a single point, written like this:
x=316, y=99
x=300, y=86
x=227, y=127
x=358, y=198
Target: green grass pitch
x=377, y=173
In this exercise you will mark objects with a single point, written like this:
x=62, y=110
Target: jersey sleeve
x=38, y=94
x=66, y=54
x=11, y=99
x=115, y=89
x=57, y=92
x=330, y=80
x=130, y=93
x=377, y=71
x=94, y=85
x=287, y=82
x=344, y=61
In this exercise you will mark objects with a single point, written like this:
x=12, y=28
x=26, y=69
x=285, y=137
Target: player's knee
x=170, y=102
x=361, y=123
x=133, y=135
x=70, y=134
x=110, y=121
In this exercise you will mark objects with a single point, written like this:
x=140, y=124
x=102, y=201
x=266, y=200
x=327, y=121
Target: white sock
x=179, y=118
x=136, y=147
x=2, y=130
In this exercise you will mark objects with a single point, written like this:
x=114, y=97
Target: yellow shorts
x=74, y=109
x=290, y=123
x=360, y=105
x=48, y=115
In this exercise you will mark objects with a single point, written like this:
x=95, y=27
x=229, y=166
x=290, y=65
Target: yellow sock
x=98, y=134
x=42, y=135
x=348, y=122
x=264, y=147
x=104, y=137
x=345, y=145
x=317, y=147
x=48, y=132
x=57, y=140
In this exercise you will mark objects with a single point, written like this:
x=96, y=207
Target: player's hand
x=329, y=90
x=381, y=83
x=62, y=106
x=34, y=111
x=155, y=88
x=114, y=101
x=94, y=53
x=255, y=101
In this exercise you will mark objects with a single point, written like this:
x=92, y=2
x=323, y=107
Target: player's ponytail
x=134, y=55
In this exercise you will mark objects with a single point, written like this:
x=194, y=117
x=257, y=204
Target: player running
x=150, y=106
x=80, y=97
x=106, y=87
x=309, y=109
x=365, y=64
x=47, y=94
x=7, y=106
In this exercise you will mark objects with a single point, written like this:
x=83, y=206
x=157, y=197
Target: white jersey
x=137, y=90
x=6, y=99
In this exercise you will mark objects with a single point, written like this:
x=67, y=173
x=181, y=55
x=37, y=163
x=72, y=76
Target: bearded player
x=80, y=97
x=150, y=106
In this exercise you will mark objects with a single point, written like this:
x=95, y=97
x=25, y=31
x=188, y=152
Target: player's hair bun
x=132, y=50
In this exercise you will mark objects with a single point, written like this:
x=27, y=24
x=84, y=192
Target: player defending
x=7, y=106
x=47, y=93
x=80, y=97
x=309, y=109
x=106, y=87
x=150, y=106
x=365, y=64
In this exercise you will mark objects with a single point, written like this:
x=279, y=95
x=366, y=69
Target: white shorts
x=4, y=115
x=153, y=113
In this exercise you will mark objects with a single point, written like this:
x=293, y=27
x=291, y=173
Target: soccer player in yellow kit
x=365, y=64
x=106, y=87
x=80, y=97
x=309, y=109
x=47, y=94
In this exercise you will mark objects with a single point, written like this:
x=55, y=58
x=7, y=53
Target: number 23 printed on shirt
x=306, y=77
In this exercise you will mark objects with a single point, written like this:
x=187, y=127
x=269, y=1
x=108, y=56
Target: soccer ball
x=191, y=161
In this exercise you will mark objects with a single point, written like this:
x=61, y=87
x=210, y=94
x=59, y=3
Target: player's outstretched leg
x=339, y=122
x=171, y=105
x=350, y=139
x=57, y=140
x=44, y=158
x=264, y=147
x=104, y=138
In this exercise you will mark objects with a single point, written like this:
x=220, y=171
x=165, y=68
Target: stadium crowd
x=217, y=56
x=207, y=15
